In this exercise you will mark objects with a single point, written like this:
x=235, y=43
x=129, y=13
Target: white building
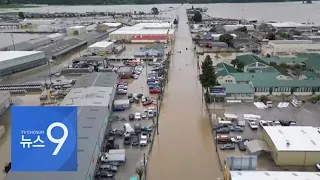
x=273, y=175
x=293, y=145
x=5, y=101
x=249, y=27
x=112, y=25
x=290, y=46
x=154, y=25
x=101, y=46
x=39, y=21
x=16, y=61
x=216, y=37
x=76, y=31
x=289, y=26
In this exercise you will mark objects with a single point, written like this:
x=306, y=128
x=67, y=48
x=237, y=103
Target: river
x=184, y=147
x=282, y=11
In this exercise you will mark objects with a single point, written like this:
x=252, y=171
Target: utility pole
x=49, y=62
x=145, y=166
x=158, y=114
x=13, y=44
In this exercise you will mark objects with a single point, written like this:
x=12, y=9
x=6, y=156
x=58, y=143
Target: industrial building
x=271, y=175
x=293, y=145
x=112, y=25
x=143, y=29
x=16, y=61
x=93, y=94
x=249, y=27
x=101, y=46
x=276, y=47
x=76, y=31
x=293, y=26
x=5, y=101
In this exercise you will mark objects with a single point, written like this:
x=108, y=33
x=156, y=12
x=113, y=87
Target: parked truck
x=268, y=103
x=114, y=155
x=121, y=105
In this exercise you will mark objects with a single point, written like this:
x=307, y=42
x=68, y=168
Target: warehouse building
x=16, y=61
x=112, y=25
x=234, y=27
x=143, y=29
x=93, y=94
x=290, y=47
x=293, y=145
x=76, y=31
x=292, y=26
x=102, y=46
x=272, y=175
x=5, y=101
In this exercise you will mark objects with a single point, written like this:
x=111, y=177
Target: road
x=184, y=148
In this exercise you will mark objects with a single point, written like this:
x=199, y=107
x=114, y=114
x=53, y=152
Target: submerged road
x=184, y=149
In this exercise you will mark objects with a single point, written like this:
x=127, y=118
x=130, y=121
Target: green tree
x=191, y=7
x=243, y=29
x=284, y=35
x=154, y=11
x=271, y=36
x=197, y=17
x=273, y=64
x=240, y=66
x=139, y=172
x=227, y=38
x=21, y=15
x=207, y=77
x=175, y=22
x=297, y=68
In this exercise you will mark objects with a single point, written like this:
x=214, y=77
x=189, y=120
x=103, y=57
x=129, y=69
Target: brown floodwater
x=184, y=148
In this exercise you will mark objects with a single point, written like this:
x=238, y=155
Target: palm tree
x=139, y=172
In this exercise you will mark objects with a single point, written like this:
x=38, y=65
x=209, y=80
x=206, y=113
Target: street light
x=13, y=44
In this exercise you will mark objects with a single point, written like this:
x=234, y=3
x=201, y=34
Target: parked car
x=224, y=130
x=136, y=100
x=284, y=123
x=143, y=139
x=120, y=108
x=116, y=132
x=253, y=125
x=222, y=139
x=137, y=116
x=109, y=167
x=263, y=123
x=114, y=163
x=147, y=129
x=228, y=147
x=105, y=174
x=131, y=117
x=130, y=95
x=127, y=139
x=134, y=139
x=131, y=100
x=242, y=146
x=277, y=123
x=292, y=123
x=144, y=115
x=146, y=103
x=236, y=128
x=318, y=166
x=137, y=128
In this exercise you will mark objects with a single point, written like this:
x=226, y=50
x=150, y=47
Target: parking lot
x=307, y=115
x=134, y=151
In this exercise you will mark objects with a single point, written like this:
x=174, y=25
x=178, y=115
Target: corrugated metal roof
x=8, y=55
x=155, y=38
x=241, y=88
x=274, y=175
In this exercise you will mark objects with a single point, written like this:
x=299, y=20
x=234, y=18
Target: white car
x=135, y=76
x=144, y=115
x=318, y=166
x=143, y=139
x=137, y=116
x=263, y=123
x=253, y=124
x=277, y=123
x=150, y=113
x=120, y=86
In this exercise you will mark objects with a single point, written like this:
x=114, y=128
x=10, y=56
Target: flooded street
x=184, y=148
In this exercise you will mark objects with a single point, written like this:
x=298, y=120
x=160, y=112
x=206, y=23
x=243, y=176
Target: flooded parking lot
x=184, y=148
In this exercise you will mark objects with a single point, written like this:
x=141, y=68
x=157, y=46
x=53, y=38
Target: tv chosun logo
x=44, y=138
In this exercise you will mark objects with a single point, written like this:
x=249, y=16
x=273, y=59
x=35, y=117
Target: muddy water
x=184, y=148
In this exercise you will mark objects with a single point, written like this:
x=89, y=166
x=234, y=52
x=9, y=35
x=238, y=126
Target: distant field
x=15, y=6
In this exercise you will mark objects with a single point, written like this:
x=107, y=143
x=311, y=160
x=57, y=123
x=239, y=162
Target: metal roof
x=294, y=138
x=101, y=44
x=97, y=79
x=91, y=125
x=272, y=175
x=241, y=88
x=8, y=55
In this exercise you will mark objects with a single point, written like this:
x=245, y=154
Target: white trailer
x=230, y=117
x=101, y=46
x=241, y=122
x=118, y=155
x=121, y=103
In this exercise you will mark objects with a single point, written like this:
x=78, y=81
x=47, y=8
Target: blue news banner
x=44, y=138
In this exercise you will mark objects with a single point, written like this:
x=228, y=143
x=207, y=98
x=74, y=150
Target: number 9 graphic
x=60, y=141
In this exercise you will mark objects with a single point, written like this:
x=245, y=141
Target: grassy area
x=225, y=54
x=16, y=6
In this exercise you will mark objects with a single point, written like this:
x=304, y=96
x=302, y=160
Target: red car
x=147, y=103
x=155, y=91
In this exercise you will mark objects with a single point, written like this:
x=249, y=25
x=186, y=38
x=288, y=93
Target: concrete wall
x=21, y=67
x=242, y=97
x=5, y=101
x=266, y=138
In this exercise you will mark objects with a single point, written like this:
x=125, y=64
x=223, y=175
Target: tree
x=263, y=27
x=283, y=65
x=213, y=29
x=75, y=33
x=154, y=11
x=227, y=38
x=207, y=77
x=197, y=17
x=243, y=29
x=271, y=36
x=192, y=8
x=273, y=64
x=284, y=35
x=240, y=66
x=234, y=62
x=139, y=172
x=175, y=22
x=297, y=69
x=21, y=15
x=297, y=33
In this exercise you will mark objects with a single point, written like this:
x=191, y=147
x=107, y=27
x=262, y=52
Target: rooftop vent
x=86, y=126
x=83, y=137
x=91, y=118
x=99, y=96
x=288, y=142
x=240, y=173
x=267, y=174
x=101, y=91
x=80, y=150
x=314, y=143
x=94, y=109
x=97, y=102
x=294, y=174
x=280, y=131
x=303, y=132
